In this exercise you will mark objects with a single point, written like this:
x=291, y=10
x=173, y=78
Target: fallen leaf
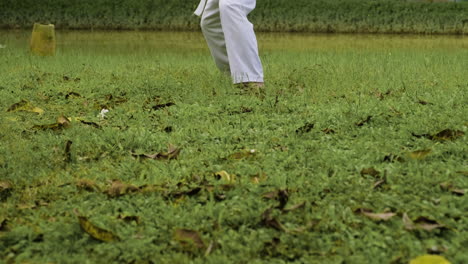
x=62, y=122
x=437, y=249
x=270, y=221
x=129, y=218
x=180, y=194
x=370, y=171
x=87, y=185
x=379, y=183
x=119, y=188
x=422, y=102
x=6, y=189
x=210, y=248
x=448, y=134
x=393, y=158
x=161, y=106
x=3, y=224
x=375, y=216
x=429, y=259
x=421, y=223
x=419, y=154
x=258, y=178
x=365, y=121
x=189, y=238
x=328, y=131
x=26, y=206
x=96, y=232
x=282, y=196
x=25, y=106
x=306, y=128
x=224, y=175
x=90, y=124
x=71, y=95
x=172, y=153
x=295, y=207
x=446, y=186
x=68, y=145
x=247, y=153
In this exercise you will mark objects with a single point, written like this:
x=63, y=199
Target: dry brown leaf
x=161, y=106
x=421, y=223
x=375, y=216
x=172, y=153
x=448, y=134
x=393, y=158
x=119, y=188
x=306, y=128
x=189, y=239
x=129, y=218
x=295, y=207
x=62, y=122
x=6, y=188
x=363, y=122
x=281, y=195
x=270, y=221
x=87, y=185
x=370, y=171
x=3, y=224
x=68, y=157
x=328, y=131
x=423, y=102
x=446, y=186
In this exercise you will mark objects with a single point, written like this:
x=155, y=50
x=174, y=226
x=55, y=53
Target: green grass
x=333, y=82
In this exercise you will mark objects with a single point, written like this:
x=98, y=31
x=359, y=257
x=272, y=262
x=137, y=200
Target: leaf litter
x=62, y=123
x=189, y=239
x=172, y=153
x=25, y=106
x=385, y=216
x=444, y=135
x=420, y=223
x=96, y=232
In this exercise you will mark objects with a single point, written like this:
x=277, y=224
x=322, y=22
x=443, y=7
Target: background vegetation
x=351, y=16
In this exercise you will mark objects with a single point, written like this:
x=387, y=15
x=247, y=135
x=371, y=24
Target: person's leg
x=213, y=32
x=240, y=40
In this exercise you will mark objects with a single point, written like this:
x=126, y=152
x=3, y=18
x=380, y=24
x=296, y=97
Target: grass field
x=342, y=161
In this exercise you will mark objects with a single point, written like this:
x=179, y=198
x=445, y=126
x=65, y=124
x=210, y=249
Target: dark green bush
x=350, y=16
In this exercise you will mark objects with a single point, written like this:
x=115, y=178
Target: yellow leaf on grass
x=25, y=106
x=419, y=154
x=430, y=259
x=96, y=232
x=224, y=175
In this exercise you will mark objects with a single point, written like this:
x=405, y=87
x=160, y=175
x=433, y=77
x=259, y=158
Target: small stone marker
x=43, y=40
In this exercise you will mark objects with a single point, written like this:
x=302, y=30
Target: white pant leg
x=232, y=40
x=213, y=32
x=241, y=43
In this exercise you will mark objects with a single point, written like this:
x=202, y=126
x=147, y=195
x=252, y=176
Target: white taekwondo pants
x=231, y=38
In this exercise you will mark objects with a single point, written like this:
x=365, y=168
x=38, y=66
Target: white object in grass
x=103, y=113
